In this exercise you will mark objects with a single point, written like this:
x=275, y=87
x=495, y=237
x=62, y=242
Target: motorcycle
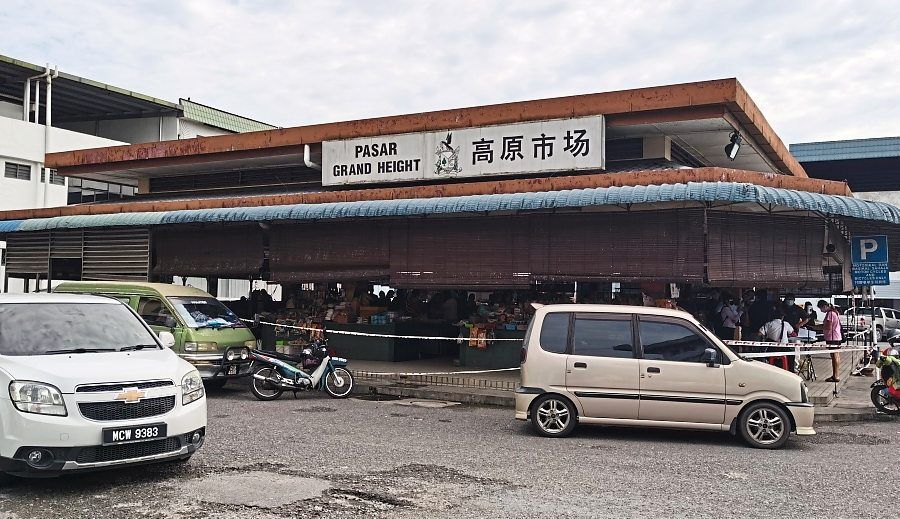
x=274, y=373
x=886, y=400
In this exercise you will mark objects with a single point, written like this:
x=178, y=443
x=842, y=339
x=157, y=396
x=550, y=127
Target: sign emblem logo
x=131, y=395
x=447, y=157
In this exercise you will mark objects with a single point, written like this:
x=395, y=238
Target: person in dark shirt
x=760, y=311
x=793, y=313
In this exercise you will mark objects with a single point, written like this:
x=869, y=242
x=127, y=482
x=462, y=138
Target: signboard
x=869, y=261
x=556, y=145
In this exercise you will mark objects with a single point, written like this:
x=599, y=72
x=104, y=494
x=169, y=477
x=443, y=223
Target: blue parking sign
x=869, y=265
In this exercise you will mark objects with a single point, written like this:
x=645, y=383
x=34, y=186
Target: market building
x=643, y=195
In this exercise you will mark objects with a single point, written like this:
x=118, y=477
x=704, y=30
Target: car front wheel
x=765, y=426
x=553, y=416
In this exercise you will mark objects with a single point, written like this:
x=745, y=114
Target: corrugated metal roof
x=847, y=150
x=76, y=98
x=221, y=119
x=574, y=198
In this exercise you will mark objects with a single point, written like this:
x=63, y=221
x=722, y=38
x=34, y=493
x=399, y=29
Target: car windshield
x=205, y=312
x=47, y=328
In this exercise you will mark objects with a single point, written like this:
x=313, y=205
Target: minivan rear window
x=46, y=328
x=555, y=332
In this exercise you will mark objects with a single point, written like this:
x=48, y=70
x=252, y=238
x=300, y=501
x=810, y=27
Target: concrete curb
x=507, y=399
x=465, y=395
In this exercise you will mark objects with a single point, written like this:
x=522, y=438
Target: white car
x=90, y=386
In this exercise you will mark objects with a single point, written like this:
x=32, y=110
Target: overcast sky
x=818, y=70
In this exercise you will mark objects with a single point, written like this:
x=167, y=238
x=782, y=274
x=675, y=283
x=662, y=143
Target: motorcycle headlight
x=191, y=388
x=37, y=397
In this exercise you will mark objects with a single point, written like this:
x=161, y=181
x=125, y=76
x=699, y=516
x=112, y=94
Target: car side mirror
x=170, y=322
x=710, y=357
x=167, y=339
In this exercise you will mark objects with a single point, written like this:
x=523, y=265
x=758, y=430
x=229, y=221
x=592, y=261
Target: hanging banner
x=533, y=147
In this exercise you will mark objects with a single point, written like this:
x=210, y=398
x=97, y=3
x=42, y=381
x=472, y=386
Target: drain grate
x=377, y=397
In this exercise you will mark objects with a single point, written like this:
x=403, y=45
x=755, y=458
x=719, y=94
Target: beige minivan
x=642, y=366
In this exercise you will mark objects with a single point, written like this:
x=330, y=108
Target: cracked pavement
x=319, y=457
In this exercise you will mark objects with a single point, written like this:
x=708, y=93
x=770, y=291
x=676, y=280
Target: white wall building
x=82, y=114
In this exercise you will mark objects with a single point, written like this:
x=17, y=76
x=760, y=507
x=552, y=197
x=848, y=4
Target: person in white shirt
x=777, y=330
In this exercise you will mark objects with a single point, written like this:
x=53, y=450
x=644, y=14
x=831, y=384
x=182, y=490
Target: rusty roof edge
x=635, y=178
x=717, y=91
x=750, y=110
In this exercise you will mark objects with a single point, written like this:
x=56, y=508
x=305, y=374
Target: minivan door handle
x=580, y=365
x=652, y=370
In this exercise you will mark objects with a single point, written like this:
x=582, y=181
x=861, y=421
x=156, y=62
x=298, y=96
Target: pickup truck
x=887, y=321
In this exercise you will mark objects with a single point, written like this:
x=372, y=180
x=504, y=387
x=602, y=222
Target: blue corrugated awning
x=573, y=198
x=9, y=225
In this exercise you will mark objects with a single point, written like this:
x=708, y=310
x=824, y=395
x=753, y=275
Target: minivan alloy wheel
x=765, y=426
x=553, y=416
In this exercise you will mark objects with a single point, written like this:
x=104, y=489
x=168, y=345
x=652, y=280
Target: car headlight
x=230, y=355
x=200, y=346
x=37, y=397
x=191, y=388
x=245, y=354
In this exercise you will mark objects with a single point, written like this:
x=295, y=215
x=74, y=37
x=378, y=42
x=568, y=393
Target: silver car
x=651, y=367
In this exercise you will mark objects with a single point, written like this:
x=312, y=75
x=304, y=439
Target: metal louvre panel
x=324, y=251
x=485, y=252
x=66, y=244
x=753, y=249
x=627, y=246
x=28, y=253
x=116, y=254
x=204, y=252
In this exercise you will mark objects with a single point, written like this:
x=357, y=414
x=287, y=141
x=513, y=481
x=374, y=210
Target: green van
x=207, y=334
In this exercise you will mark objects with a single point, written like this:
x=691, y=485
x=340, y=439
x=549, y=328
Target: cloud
x=818, y=70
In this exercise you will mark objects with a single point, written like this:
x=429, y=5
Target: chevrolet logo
x=131, y=395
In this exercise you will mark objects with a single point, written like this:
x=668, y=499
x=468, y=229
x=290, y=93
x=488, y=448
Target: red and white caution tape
x=382, y=335
x=755, y=355
x=379, y=373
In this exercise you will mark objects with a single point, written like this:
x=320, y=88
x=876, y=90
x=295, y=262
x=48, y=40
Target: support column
x=212, y=286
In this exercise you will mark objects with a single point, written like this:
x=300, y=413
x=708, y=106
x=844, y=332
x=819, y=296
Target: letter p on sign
x=866, y=247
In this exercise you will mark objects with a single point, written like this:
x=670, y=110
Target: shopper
x=713, y=311
x=793, y=312
x=777, y=330
x=731, y=318
x=831, y=328
x=810, y=315
x=760, y=311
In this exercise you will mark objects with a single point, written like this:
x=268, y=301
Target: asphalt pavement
x=320, y=457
